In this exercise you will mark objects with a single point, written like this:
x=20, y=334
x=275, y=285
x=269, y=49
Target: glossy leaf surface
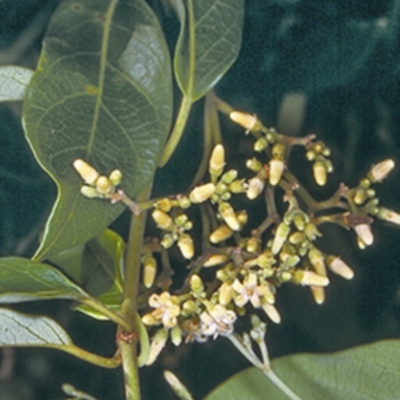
x=25, y=280
x=370, y=372
x=102, y=92
x=97, y=266
x=14, y=82
x=208, y=44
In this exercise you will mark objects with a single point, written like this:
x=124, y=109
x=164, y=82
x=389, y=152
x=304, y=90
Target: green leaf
x=208, y=43
x=17, y=329
x=101, y=92
x=20, y=330
x=25, y=280
x=14, y=82
x=370, y=372
x=98, y=267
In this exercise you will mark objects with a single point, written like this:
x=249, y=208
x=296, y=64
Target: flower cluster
x=245, y=264
x=97, y=185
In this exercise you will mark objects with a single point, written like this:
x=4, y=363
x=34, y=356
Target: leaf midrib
x=192, y=49
x=103, y=62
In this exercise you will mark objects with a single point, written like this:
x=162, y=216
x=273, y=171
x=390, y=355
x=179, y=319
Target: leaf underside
x=208, y=44
x=18, y=330
x=369, y=372
x=14, y=82
x=102, y=92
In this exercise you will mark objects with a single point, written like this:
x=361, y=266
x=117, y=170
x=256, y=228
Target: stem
x=300, y=191
x=112, y=315
x=209, y=133
x=89, y=357
x=177, y=131
x=129, y=305
x=221, y=105
x=264, y=367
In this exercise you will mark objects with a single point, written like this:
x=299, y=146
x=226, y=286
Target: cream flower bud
x=217, y=160
x=310, y=278
x=317, y=260
x=149, y=271
x=381, y=170
x=256, y=186
x=265, y=259
x=253, y=244
x=254, y=164
x=225, y=293
x=242, y=217
x=163, y=205
x=181, y=220
x=215, y=259
x=389, y=215
x=189, y=307
x=229, y=176
x=150, y=320
x=296, y=238
x=104, y=185
x=163, y=220
x=260, y=145
x=360, y=196
x=319, y=170
x=276, y=168
x=311, y=231
x=229, y=216
x=115, y=177
x=250, y=122
x=222, y=233
x=196, y=284
x=364, y=233
x=272, y=312
x=89, y=191
x=238, y=186
x=86, y=171
x=339, y=267
x=281, y=235
x=167, y=241
x=292, y=260
x=311, y=155
x=183, y=202
x=158, y=342
x=176, y=335
x=185, y=244
x=318, y=293
x=202, y=193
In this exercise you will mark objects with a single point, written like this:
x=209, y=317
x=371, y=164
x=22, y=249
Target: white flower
x=250, y=291
x=217, y=320
x=166, y=311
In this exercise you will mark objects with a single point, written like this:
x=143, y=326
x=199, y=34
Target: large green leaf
x=208, y=43
x=370, y=372
x=101, y=92
x=20, y=330
x=14, y=82
x=98, y=267
x=25, y=280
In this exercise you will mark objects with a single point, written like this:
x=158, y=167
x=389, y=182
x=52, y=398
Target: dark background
x=322, y=66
